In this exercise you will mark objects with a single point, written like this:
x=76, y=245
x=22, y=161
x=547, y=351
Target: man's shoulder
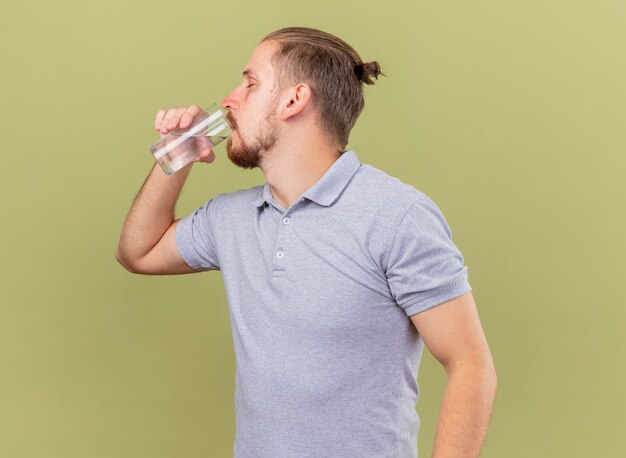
x=376, y=188
x=243, y=196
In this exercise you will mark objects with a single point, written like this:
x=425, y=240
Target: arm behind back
x=164, y=258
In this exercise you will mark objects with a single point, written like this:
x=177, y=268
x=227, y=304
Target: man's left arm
x=453, y=334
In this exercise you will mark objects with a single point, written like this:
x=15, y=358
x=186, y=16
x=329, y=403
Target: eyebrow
x=248, y=72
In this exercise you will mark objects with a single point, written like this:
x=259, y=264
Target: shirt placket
x=282, y=247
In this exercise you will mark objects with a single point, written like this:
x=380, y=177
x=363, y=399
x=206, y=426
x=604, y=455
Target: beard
x=248, y=155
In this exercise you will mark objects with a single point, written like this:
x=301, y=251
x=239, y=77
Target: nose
x=230, y=101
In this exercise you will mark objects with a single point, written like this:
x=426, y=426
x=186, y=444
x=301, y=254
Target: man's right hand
x=168, y=120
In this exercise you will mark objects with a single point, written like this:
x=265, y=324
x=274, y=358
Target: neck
x=291, y=170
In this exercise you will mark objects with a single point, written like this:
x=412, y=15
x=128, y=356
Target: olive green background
x=510, y=115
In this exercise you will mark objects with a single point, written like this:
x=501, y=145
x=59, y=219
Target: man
x=336, y=273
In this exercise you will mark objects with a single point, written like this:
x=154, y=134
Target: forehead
x=259, y=63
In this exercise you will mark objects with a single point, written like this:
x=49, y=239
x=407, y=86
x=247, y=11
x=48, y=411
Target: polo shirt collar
x=326, y=190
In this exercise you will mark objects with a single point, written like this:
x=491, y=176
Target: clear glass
x=182, y=145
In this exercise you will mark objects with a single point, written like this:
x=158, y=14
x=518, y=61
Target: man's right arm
x=148, y=241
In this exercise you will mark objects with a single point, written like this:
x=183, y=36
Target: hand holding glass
x=183, y=145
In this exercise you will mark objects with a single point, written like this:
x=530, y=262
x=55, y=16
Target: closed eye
x=249, y=85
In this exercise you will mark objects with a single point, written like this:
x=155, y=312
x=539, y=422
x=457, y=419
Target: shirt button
x=286, y=220
x=280, y=254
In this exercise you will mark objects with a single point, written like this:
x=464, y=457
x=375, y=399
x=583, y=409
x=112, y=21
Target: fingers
x=159, y=118
x=203, y=144
x=188, y=115
x=167, y=120
x=206, y=155
x=171, y=119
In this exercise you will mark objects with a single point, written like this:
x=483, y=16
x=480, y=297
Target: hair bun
x=372, y=69
x=366, y=70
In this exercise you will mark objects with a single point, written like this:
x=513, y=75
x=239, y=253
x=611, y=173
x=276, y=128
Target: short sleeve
x=424, y=267
x=195, y=240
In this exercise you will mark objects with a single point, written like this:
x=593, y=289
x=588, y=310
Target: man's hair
x=332, y=69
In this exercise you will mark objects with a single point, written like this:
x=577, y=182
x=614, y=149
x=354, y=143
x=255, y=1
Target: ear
x=298, y=98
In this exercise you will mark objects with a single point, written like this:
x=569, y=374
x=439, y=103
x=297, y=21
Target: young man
x=336, y=273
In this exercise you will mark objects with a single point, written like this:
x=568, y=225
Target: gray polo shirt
x=319, y=296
